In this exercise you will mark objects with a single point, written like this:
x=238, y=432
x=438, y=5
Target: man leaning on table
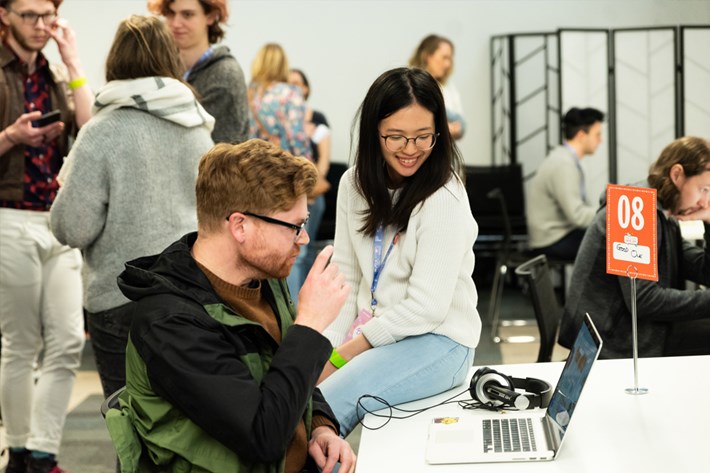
x=671, y=319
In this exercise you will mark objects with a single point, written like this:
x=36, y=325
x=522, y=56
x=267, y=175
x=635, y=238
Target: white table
x=666, y=430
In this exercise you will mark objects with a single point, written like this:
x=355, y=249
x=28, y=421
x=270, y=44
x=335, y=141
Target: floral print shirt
x=281, y=110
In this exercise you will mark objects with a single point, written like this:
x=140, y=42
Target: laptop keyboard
x=508, y=435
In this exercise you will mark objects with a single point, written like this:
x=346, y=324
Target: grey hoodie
x=221, y=89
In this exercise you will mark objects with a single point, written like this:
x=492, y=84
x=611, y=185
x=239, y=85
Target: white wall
x=343, y=45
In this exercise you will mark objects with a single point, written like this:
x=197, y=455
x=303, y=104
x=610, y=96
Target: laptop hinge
x=551, y=429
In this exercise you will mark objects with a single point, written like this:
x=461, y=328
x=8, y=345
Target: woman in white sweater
x=404, y=241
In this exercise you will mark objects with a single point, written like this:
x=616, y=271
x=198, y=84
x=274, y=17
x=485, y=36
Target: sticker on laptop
x=446, y=420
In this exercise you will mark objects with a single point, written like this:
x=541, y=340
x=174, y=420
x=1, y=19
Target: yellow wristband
x=337, y=360
x=76, y=83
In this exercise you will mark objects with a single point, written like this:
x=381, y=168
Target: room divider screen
x=652, y=84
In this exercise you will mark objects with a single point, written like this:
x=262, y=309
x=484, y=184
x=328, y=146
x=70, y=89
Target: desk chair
x=548, y=313
x=508, y=258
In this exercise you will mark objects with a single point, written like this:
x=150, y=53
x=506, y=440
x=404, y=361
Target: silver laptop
x=534, y=435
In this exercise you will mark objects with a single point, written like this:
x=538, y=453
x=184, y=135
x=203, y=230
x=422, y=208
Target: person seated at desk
x=557, y=212
x=681, y=175
x=219, y=375
x=404, y=238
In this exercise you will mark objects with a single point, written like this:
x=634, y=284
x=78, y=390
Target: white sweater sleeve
x=345, y=257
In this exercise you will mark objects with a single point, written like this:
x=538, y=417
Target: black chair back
x=488, y=188
x=548, y=312
x=326, y=231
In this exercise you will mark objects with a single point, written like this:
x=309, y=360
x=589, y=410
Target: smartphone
x=47, y=118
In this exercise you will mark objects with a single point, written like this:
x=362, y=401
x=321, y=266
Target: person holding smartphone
x=40, y=279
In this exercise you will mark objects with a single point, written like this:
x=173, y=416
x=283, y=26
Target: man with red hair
x=210, y=68
x=40, y=280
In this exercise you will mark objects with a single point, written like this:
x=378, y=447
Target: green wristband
x=337, y=360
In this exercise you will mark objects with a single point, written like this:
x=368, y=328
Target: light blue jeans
x=411, y=369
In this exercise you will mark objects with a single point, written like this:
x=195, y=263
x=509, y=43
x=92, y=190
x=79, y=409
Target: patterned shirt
x=281, y=110
x=42, y=163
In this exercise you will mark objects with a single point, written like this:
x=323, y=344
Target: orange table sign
x=631, y=247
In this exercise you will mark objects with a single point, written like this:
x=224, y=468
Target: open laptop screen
x=584, y=352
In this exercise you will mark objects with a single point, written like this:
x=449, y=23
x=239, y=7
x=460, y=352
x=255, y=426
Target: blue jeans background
x=413, y=368
x=305, y=258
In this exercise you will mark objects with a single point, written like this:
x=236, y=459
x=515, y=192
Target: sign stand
x=631, y=247
x=634, y=326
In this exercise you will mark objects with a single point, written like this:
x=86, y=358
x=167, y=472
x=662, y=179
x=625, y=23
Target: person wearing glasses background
x=404, y=238
x=221, y=367
x=40, y=279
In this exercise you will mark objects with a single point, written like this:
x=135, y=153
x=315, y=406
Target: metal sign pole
x=634, y=330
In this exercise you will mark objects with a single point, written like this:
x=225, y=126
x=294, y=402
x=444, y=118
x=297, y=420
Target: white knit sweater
x=426, y=283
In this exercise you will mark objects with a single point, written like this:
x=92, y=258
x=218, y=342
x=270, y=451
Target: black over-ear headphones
x=496, y=390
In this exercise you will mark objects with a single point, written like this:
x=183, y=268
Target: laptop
x=531, y=435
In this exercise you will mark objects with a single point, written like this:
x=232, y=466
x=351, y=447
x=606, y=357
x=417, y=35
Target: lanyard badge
x=378, y=262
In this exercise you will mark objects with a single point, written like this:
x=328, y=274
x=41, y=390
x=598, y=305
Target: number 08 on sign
x=631, y=247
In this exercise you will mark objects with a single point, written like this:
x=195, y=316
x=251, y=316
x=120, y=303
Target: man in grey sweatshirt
x=558, y=211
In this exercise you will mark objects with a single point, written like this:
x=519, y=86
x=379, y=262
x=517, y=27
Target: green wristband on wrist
x=337, y=360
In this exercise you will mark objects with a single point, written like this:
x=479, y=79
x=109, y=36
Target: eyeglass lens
x=33, y=18
x=399, y=142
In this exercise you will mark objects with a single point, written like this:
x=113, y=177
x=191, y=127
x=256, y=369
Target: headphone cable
x=390, y=415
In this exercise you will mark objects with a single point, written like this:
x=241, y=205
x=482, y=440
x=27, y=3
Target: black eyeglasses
x=297, y=228
x=31, y=18
x=423, y=142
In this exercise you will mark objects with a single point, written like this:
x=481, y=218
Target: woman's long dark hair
x=392, y=91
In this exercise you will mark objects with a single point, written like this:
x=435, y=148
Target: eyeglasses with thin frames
x=423, y=142
x=297, y=228
x=31, y=18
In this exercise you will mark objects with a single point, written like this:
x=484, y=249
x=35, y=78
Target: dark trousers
x=566, y=248
x=109, y=336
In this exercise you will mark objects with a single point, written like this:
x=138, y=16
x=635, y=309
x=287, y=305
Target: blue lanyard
x=582, y=186
x=204, y=56
x=378, y=262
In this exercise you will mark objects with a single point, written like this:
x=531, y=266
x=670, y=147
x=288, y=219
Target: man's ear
x=213, y=17
x=677, y=175
x=3, y=16
x=237, y=228
x=580, y=135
